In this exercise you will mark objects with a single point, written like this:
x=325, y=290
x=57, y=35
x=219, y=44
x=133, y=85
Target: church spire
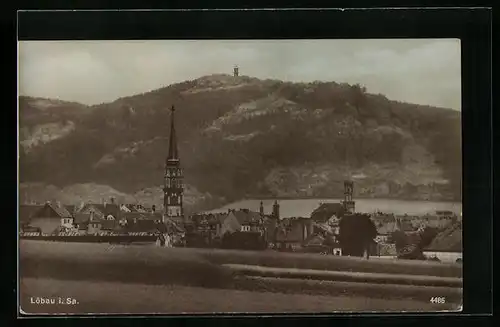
x=173, y=153
x=173, y=180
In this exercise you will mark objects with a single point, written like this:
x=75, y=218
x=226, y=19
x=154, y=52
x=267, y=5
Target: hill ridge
x=271, y=132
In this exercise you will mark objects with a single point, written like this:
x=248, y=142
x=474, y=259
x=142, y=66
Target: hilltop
x=242, y=136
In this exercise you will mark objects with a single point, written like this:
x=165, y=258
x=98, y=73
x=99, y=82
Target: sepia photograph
x=239, y=176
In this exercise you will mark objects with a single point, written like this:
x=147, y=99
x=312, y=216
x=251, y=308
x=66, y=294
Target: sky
x=422, y=71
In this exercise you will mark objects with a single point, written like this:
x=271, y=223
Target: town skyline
x=94, y=72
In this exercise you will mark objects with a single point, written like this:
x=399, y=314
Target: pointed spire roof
x=173, y=153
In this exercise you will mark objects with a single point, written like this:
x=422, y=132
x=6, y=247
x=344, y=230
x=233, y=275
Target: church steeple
x=173, y=188
x=173, y=153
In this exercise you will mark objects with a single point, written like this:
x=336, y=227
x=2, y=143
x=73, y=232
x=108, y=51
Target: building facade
x=51, y=218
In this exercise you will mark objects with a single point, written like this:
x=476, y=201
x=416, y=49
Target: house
x=326, y=211
x=230, y=224
x=125, y=208
x=242, y=229
x=382, y=238
x=207, y=229
x=71, y=209
x=108, y=211
x=403, y=224
x=382, y=217
x=132, y=217
x=445, y=214
x=81, y=221
x=292, y=232
x=270, y=225
x=242, y=220
x=94, y=223
x=51, y=217
x=441, y=220
x=314, y=240
x=384, y=231
x=444, y=256
x=249, y=221
x=446, y=246
x=137, y=222
x=134, y=208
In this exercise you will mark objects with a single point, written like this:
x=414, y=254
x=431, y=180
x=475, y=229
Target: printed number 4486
x=438, y=299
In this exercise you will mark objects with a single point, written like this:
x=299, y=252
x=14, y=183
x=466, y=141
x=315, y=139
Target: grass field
x=119, y=298
x=108, y=275
x=118, y=254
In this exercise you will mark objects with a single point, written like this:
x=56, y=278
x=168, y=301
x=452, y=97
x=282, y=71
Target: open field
x=103, y=273
x=114, y=297
x=122, y=255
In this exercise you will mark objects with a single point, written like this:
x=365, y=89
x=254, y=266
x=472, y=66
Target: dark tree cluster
x=356, y=234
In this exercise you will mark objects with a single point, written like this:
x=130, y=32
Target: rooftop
x=326, y=210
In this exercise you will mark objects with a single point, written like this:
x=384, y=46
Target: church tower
x=173, y=181
x=348, y=202
x=276, y=210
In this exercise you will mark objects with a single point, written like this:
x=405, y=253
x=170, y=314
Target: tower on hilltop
x=236, y=71
x=173, y=187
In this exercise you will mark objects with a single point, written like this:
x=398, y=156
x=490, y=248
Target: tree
x=356, y=233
